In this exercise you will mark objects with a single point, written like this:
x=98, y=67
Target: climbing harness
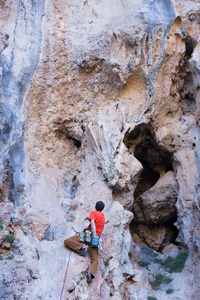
x=86, y=236
x=65, y=275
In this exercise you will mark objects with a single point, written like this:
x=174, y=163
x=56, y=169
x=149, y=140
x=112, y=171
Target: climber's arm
x=93, y=227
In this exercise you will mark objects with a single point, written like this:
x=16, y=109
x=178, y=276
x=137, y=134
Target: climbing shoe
x=84, y=250
x=89, y=277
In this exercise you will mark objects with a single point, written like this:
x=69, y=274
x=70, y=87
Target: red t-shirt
x=99, y=220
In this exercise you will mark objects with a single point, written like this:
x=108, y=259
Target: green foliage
x=144, y=264
x=158, y=261
x=1, y=224
x=151, y=298
x=107, y=262
x=169, y=291
x=167, y=262
x=158, y=280
x=195, y=208
x=1, y=257
x=19, y=261
x=10, y=238
x=175, y=265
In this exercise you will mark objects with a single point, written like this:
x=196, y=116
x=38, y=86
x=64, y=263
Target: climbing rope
x=65, y=276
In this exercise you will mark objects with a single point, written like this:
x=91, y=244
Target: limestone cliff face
x=99, y=100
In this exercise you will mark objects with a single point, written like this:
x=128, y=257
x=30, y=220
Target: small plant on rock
x=144, y=264
x=158, y=280
x=1, y=224
x=1, y=257
x=169, y=291
x=158, y=260
x=175, y=265
x=107, y=262
x=151, y=298
x=19, y=262
x=10, y=238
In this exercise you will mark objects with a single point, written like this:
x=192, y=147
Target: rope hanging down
x=65, y=276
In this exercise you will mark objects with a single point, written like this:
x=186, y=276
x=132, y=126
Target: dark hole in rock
x=77, y=143
x=190, y=44
x=155, y=159
x=169, y=113
x=189, y=48
x=157, y=236
x=63, y=134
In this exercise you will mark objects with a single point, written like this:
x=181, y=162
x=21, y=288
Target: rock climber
x=89, y=239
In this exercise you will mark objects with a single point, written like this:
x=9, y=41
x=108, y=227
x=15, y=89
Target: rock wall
x=100, y=100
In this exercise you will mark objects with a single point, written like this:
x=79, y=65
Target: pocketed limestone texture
x=99, y=100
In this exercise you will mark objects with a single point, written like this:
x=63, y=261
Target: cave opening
x=156, y=160
x=155, y=236
x=190, y=44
